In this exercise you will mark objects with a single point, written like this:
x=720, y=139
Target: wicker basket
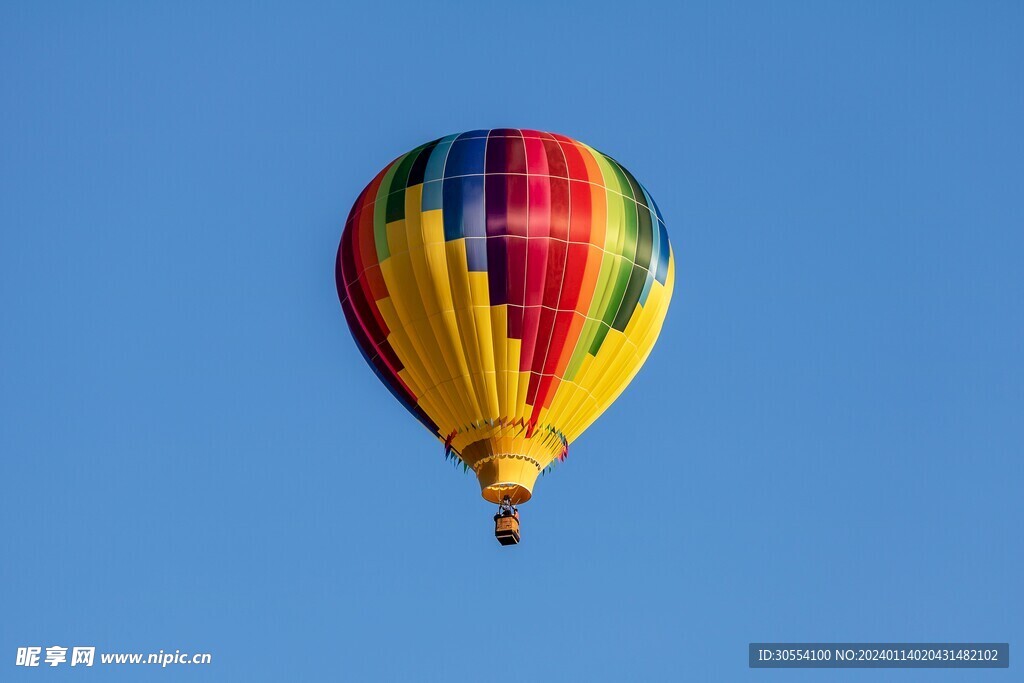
x=506, y=530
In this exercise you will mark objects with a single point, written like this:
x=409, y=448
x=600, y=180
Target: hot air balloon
x=505, y=285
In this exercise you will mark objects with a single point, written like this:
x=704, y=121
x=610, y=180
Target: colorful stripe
x=505, y=285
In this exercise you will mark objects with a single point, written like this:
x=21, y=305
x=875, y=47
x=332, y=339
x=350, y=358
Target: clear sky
x=825, y=444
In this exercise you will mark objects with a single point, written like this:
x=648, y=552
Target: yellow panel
x=396, y=233
x=485, y=339
x=459, y=280
x=432, y=231
x=418, y=352
x=512, y=377
x=499, y=339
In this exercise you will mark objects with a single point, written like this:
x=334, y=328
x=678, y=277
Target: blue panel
x=452, y=209
x=474, y=220
x=432, y=197
x=435, y=170
x=656, y=247
x=651, y=203
x=433, y=174
x=476, y=254
x=464, y=208
x=647, y=288
x=465, y=157
x=656, y=244
x=663, y=252
x=435, y=166
x=474, y=134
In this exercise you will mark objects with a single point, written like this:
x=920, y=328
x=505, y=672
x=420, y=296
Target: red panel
x=581, y=198
x=572, y=281
x=556, y=267
x=565, y=333
x=375, y=281
x=536, y=157
x=515, y=154
x=536, y=270
x=558, y=189
x=531, y=319
x=371, y=282
x=364, y=250
x=516, y=250
x=536, y=275
x=556, y=159
x=515, y=322
x=516, y=210
x=347, y=271
x=540, y=207
x=574, y=160
x=363, y=240
x=561, y=336
x=544, y=330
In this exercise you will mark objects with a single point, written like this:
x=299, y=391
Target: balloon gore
x=505, y=285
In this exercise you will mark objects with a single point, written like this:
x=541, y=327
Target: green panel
x=380, y=223
x=602, y=332
x=614, y=237
x=647, y=221
x=626, y=248
x=631, y=297
x=396, y=197
x=582, y=348
x=631, y=222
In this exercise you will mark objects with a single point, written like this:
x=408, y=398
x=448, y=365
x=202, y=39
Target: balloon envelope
x=506, y=286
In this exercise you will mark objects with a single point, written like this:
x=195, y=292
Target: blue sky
x=825, y=444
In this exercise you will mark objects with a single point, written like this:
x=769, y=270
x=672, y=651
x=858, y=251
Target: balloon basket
x=506, y=530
